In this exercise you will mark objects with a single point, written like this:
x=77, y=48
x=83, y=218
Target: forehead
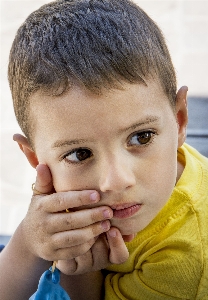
x=81, y=110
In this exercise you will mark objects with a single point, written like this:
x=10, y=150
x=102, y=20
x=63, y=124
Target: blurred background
x=185, y=26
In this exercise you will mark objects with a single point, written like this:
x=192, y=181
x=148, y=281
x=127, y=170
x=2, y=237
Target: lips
x=123, y=211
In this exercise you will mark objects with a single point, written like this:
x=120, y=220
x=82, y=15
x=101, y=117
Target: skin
x=130, y=139
x=118, y=166
x=31, y=250
x=108, y=128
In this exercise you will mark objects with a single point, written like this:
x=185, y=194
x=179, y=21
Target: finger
x=78, y=219
x=77, y=237
x=44, y=182
x=65, y=200
x=129, y=237
x=100, y=253
x=96, y=258
x=74, y=251
x=79, y=265
x=67, y=267
x=118, y=250
x=84, y=263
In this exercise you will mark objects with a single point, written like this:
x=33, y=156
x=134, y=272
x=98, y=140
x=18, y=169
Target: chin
x=125, y=227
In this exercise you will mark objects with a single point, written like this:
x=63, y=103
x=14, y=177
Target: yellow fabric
x=169, y=258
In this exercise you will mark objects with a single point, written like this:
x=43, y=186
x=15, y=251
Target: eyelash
x=150, y=138
x=74, y=151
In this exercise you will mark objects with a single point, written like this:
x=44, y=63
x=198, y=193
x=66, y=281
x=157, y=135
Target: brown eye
x=78, y=155
x=141, y=138
x=83, y=154
x=144, y=138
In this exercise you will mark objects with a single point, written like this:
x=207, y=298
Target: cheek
x=67, y=180
x=161, y=172
x=165, y=164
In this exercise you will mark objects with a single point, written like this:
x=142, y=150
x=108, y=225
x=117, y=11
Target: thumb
x=118, y=250
x=44, y=181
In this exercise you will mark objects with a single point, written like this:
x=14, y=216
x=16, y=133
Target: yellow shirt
x=169, y=258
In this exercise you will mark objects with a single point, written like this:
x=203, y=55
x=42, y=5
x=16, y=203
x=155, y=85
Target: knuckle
x=57, y=201
x=39, y=205
x=61, y=201
x=81, y=198
x=70, y=240
x=85, y=248
x=94, y=216
x=55, y=241
x=69, y=222
x=46, y=252
x=96, y=229
x=46, y=242
x=43, y=226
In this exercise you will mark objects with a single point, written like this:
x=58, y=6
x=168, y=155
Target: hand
x=108, y=249
x=51, y=233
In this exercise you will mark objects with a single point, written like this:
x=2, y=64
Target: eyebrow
x=63, y=143
x=146, y=121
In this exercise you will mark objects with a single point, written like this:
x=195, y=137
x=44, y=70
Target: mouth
x=123, y=211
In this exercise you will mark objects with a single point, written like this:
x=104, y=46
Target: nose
x=116, y=175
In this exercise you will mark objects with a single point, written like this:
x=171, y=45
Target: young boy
x=94, y=92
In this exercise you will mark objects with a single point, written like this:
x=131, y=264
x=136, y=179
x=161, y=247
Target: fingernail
x=105, y=225
x=94, y=197
x=112, y=233
x=106, y=214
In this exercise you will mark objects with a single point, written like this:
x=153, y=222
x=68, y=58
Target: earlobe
x=182, y=114
x=26, y=149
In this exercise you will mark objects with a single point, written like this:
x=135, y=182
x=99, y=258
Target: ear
x=26, y=149
x=182, y=114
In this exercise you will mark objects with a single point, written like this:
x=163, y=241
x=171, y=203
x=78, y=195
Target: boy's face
x=122, y=143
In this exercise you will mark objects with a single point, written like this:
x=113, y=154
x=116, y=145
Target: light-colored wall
x=185, y=26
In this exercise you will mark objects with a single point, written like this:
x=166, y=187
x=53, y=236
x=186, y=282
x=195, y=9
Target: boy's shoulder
x=190, y=151
x=194, y=179
x=197, y=173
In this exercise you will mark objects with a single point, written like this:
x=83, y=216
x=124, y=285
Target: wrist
x=22, y=254
x=20, y=269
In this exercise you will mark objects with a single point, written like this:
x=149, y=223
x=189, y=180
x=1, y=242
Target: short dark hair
x=95, y=43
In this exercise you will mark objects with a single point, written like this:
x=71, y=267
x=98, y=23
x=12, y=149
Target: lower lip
x=126, y=212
